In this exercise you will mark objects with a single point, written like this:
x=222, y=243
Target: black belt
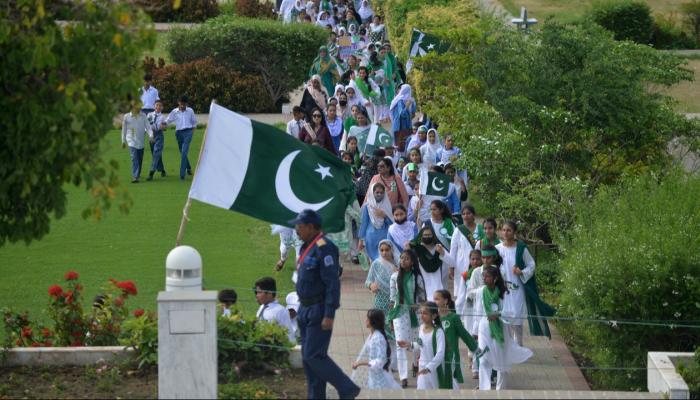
x=310, y=301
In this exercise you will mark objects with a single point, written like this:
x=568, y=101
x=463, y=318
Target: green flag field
x=236, y=249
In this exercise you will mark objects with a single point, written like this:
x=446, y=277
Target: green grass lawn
x=569, y=10
x=236, y=250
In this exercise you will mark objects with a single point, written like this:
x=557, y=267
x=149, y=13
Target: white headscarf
x=338, y=86
x=390, y=265
x=359, y=99
x=323, y=22
x=401, y=234
x=318, y=95
x=405, y=93
x=372, y=205
x=286, y=10
x=365, y=10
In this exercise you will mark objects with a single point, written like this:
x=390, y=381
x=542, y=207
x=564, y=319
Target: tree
x=61, y=86
x=549, y=117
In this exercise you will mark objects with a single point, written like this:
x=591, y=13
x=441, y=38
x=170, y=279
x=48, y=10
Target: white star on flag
x=324, y=171
x=431, y=46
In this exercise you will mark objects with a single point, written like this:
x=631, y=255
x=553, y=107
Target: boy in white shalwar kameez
x=375, y=354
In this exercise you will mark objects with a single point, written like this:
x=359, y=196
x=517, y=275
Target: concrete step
x=503, y=394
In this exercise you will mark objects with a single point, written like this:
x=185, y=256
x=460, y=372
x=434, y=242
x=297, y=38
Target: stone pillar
x=187, y=352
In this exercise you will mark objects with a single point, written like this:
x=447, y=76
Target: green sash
x=408, y=299
x=364, y=89
x=496, y=327
x=485, y=241
x=536, y=308
x=467, y=234
x=443, y=378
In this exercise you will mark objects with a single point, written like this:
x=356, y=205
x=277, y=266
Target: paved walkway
x=551, y=368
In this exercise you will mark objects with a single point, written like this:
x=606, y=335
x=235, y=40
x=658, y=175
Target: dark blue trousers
x=318, y=367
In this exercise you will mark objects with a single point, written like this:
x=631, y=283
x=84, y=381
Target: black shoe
x=189, y=172
x=136, y=180
x=404, y=383
x=162, y=173
x=350, y=395
x=355, y=260
x=415, y=370
x=182, y=178
x=150, y=176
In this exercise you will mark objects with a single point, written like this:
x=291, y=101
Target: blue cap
x=307, y=217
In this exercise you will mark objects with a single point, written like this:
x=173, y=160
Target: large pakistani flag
x=434, y=184
x=258, y=170
x=422, y=43
x=376, y=138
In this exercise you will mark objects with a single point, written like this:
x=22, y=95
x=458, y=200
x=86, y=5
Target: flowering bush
x=73, y=326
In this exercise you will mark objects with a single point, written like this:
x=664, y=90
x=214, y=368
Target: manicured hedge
x=279, y=53
x=204, y=80
x=188, y=11
x=627, y=19
x=633, y=255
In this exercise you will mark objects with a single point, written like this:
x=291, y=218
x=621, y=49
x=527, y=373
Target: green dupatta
x=467, y=234
x=409, y=296
x=536, y=308
x=443, y=377
x=496, y=327
x=364, y=89
x=454, y=330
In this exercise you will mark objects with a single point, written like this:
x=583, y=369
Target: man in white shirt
x=185, y=122
x=294, y=126
x=134, y=129
x=270, y=309
x=149, y=95
x=155, y=120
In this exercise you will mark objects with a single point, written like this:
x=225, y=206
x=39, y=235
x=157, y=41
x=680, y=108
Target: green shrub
x=691, y=374
x=692, y=13
x=245, y=390
x=188, y=10
x=627, y=19
x=141, y=334
x=279, y=53
x=204, y=80
x=633, y=255
x=246, y=343
x=668, y=34
x=255, y=9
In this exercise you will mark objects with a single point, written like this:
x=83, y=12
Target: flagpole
x=188, y=203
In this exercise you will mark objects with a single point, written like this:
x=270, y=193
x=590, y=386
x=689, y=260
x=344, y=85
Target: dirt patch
x=105, y=381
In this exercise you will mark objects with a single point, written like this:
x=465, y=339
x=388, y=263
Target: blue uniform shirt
x=318, y=275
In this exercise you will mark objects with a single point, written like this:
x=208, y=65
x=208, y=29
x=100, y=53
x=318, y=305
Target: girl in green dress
x=325, y=66
x=454, y=330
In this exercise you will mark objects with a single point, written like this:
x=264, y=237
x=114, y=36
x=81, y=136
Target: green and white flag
x=261, y=171
x=434, y=183
x=376, y=138
x=422, y=43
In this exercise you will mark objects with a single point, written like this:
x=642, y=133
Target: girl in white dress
x=431, y=347
x=406, y=290
x=473, y=281
x=499, y=351
x=375, y=354
x=514, y=305
x=490, y=234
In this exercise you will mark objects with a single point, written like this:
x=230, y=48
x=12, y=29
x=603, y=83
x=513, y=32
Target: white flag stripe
x=423, y=187
x=372, y=136
x=229, y=137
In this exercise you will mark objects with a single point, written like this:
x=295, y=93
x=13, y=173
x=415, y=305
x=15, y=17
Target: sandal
x=404, y=383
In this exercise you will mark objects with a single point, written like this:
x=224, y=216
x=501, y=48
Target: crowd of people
x=438, y=277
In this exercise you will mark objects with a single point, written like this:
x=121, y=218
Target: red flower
x=69, y=296
x=71, y=275
x=55, y=291
x=119, y=302
x=128, y=287
x=76, y=334
x=26, y=331
x=76, y=343
x=48, y=343
x=138, y=312
x=18, y=342
x=36, y=344
x=45, y=332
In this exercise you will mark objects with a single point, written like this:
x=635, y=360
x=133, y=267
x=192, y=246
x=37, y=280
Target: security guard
x=318, y=287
